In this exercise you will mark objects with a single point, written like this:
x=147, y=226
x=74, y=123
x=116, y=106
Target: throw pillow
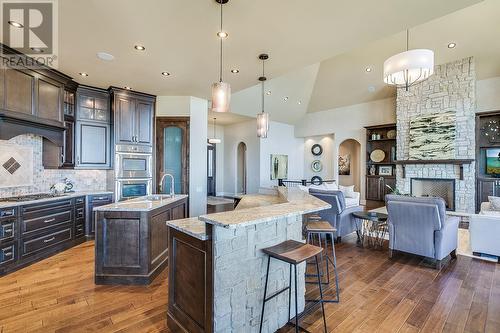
x=494, y=202
x=331, y=186
x=348, y=191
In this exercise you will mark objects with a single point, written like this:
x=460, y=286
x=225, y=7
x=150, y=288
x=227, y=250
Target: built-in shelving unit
x=376, y=180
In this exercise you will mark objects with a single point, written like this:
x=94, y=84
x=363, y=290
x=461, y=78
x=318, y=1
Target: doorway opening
x=211, y=170
x=241, y=168
x=349, y=167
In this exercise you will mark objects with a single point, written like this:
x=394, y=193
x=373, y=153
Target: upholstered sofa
x=484, y=230
x=351, y=201
x=340, y=215
x=420, y=226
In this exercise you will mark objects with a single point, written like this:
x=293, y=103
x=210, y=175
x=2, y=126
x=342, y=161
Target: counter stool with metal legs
x=322, y=230
x=293, y=253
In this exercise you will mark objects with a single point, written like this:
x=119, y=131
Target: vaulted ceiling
x=180, y=37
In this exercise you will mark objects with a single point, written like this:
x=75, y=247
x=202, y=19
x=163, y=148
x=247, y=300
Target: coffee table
x=372, y=226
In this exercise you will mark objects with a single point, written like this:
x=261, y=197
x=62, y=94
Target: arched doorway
x=349, y=164
x=241, y=168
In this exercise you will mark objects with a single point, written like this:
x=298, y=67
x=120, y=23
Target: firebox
x=435, y=187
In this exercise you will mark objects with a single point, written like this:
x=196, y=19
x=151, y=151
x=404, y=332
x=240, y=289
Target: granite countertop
x=5, y=204
x=264, y=208
x=191, y=226
x=141, y=204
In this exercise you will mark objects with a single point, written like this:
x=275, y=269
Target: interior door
x=211, y=167
x=172, y=153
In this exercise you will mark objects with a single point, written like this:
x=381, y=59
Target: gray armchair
x=420, y=226
x=339, y=216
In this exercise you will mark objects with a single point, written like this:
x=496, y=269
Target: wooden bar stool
x=324, y=229
x=294, y=253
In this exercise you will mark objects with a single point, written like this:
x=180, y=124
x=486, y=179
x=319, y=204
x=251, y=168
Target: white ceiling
x=180, y=37
x=342, y=80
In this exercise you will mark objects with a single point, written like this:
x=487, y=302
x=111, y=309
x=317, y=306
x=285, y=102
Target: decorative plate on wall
x=391, y=134
x=316, y=166
x=316, y=149
x=317, y=180
x=377, y=155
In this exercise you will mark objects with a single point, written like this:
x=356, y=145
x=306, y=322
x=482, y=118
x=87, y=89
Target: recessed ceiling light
x=268, y=92
x=235, y=71
x=105, y=56
x=36, y=49
x=165, y=73
x=452, y=45
x=140, y=48
x=83, y=74
x=128, y=88
x=368, y=69
x=285, y=98
x=222, y=34
x=16, y=24
x=299, y=102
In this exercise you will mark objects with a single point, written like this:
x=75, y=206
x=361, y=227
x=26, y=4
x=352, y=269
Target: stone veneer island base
x=217, y=269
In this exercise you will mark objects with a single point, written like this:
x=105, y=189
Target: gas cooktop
x=30, y=197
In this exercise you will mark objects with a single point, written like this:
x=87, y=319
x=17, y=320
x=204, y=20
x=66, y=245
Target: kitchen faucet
x=172, y=191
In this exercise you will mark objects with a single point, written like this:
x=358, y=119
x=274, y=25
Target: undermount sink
x=158, y=197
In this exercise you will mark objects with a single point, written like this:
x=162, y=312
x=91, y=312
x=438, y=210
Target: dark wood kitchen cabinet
x=92, y=202
x=93, y=129
x=69, y=125
x=133, y=114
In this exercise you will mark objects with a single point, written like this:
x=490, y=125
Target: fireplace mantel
x=459, y=162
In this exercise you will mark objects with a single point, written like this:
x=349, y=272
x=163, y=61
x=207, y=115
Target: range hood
x=11, y=126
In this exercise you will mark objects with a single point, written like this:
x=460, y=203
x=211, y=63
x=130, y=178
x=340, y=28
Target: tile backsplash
x=83, y=180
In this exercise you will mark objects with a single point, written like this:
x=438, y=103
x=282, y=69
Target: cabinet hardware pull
x=7, y=230
x=49, y=240
x=50, y=220
x=7, y=254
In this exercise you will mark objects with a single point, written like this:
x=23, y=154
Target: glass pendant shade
x=262, y=124
x=221, y=97
x=409, y=67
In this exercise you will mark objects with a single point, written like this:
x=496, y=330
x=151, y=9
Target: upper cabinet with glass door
x=93, y=105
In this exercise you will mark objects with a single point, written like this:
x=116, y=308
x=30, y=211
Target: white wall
x=488, y=94
x=233, y=135
x=326, y=158
x=196, y=109
x=198, y=156
x=281, y=140
x=348, y=123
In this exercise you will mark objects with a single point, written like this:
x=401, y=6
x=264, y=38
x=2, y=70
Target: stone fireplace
x=434, y=187
x=450, y=90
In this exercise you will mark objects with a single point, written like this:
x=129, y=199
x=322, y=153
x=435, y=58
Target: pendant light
x=221, y=91
x=407, y=68
x=263, y=117
x=214, y=139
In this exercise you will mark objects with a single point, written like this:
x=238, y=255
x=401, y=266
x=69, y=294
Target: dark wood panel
x=125, y=120
x=190, y=299
x=19, y=88
x=121, y=246
x=50, y=100
x=69, y=143
x=47, y=221
x=159, y=243
x=144, y=121
x=179, y=212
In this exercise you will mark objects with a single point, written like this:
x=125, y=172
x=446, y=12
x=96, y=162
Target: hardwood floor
x=377, y=294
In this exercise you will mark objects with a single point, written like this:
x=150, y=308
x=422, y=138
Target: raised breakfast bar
x=217, y=269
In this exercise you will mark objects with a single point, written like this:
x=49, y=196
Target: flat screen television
x=493, y=162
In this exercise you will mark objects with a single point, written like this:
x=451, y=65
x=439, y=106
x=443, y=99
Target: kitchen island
x=131, y=238
x=217, y=269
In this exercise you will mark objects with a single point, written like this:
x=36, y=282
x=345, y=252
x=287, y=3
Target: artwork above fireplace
x=435, y=187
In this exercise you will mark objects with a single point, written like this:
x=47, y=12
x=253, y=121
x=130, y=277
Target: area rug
x=464, y=248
